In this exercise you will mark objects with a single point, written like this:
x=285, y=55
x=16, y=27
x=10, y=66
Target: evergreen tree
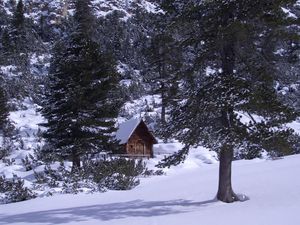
x=234, y=75
x=5, y=126
x=15, y=51
x=18, y=17
x=19, y=38
x=17, y=34
x=3, y=112
x=82, y=100
x=164, y=61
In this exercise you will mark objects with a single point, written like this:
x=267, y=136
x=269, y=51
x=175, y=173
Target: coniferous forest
x=219, y=74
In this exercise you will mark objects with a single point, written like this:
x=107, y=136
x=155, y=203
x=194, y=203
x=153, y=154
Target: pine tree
x=3, y=111
x=5, y=126
x=17, y=33
x=164, y=61
x=234, y=74
x=82, y=100
x=18, y=17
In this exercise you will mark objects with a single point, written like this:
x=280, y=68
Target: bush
x=6, y=147
x=63, y=179
x=95, y=175
x=50, y=176
x=115, y=174
x=14, y=190
x=3, y=153
x=30, y=162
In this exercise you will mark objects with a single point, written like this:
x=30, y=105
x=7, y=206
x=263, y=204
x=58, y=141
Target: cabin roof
x=126, y=129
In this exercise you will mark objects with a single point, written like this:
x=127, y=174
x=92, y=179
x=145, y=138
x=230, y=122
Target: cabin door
x=140, y=147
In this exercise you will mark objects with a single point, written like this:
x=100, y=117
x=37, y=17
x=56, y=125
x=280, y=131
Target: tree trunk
x=225, y=192
x=75, y=160
x=163, y=105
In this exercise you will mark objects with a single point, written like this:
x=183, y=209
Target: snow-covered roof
x=126, y=129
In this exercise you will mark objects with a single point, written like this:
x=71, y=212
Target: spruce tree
x=82, y=101
x=18, y=17
x=234, y=78
x=3, y=111
x=17, y=33
x=5, y=126
x=164, y=60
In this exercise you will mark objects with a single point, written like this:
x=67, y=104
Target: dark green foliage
x=5, y=126
x=164, y=60
x=295, y=139
x=248, y=152
x=52, y=177
x=3, y=111
x=95, y=175
x=18, y=17
x=82, y=98
x=15, y=38
x=64, y=180
x=30, y=162
x=18, y=41
x=84, y=18
x=115, y=174
x=228, y=36
x=232, y=77
x=14, y=190
x=3, y=153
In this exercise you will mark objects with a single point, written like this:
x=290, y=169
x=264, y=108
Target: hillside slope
x=184, y=196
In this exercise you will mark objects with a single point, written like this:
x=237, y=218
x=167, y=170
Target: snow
x=61, y=8
x=8, y=71
x=104, y=7
x=150, y=7
x=147, y=105
x=197, y=156
x=186, y=196
x=246, y=119
x=26, y=120
x=295, y=126
x=126, y=129
x=209, y=71
x=289, y=13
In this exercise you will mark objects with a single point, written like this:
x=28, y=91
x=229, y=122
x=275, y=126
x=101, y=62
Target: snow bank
x=185, y=197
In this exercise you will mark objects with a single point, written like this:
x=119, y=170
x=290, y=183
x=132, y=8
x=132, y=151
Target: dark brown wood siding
x=141, y=142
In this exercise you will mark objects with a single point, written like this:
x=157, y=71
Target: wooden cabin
x=136, y=139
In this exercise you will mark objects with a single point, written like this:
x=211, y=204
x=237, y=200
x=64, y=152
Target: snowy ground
x=184, y=196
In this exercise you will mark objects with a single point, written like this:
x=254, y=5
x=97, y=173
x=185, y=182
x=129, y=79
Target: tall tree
x=18, y=42
x=82, y=100
x=164, y=60
x=3, y=111
x=17, y=33
x=3, y=123
x=230, y=102
x=18, y=17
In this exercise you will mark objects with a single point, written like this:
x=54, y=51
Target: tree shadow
x=106, y=212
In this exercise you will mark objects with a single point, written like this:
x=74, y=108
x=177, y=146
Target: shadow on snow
x=105, y=212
